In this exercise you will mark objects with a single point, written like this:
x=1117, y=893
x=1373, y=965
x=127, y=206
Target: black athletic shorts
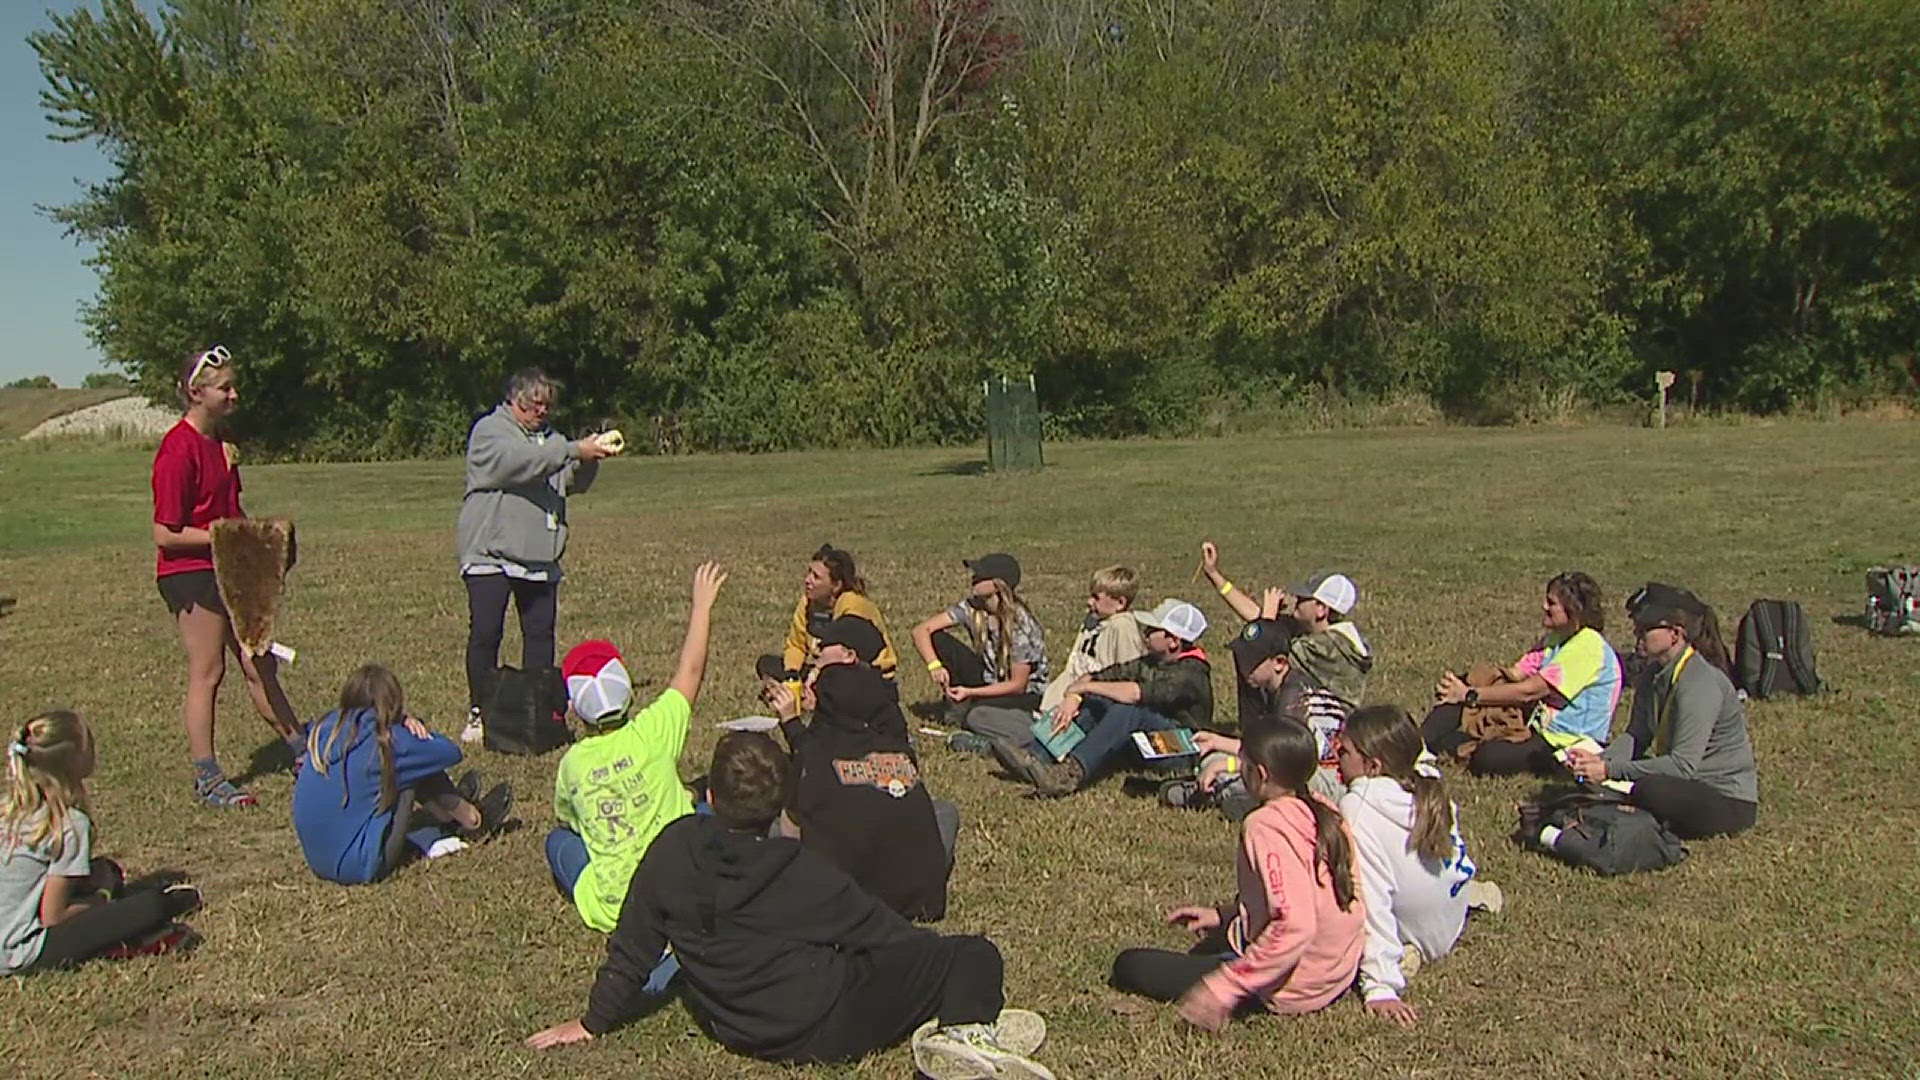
x=195, y=588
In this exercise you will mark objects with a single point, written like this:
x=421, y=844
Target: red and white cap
x=598, y=685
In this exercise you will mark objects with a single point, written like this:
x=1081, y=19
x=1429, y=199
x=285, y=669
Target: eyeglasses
x=216, y=357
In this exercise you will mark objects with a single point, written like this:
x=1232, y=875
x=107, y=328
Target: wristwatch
x=1472, y=699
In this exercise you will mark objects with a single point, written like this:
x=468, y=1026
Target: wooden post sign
x=1663, y=381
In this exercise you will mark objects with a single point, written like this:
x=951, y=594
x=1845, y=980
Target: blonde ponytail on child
x=48, y=759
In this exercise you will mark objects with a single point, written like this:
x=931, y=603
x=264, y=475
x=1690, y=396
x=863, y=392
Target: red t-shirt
x=193, y=487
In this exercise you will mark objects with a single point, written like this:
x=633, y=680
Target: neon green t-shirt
x=618, y=790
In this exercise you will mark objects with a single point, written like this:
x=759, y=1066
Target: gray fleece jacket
x=515, y=511
x=1710, y=742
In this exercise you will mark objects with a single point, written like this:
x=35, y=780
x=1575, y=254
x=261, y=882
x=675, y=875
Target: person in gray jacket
x=1686, y=749
x=513, y=527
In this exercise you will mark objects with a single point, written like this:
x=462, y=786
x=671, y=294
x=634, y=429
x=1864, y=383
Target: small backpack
x=1597, y=829
x=1891, y=603
x=1773, y=651
x=527, y=712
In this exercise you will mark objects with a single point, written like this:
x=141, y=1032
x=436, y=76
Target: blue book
x=1057, y=745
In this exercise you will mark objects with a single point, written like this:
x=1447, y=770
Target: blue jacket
x=344, y=843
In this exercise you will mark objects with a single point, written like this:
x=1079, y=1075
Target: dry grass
x=1786, y=952
x=23, y=410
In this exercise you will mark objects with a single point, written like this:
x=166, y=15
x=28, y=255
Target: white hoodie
x=1408, y=899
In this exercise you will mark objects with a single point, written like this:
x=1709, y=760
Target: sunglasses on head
x=216, y=357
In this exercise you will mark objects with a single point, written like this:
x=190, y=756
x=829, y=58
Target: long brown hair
x=375, y=689
x=840, y=569
x=1286, y=753
x=45, y=771
x=1011, y=608
x=1385, y=733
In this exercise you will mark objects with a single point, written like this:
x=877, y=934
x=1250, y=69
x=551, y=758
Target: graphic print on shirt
x=615, y=804
x=892, y=773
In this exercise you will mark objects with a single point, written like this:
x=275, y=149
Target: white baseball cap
x=598, y=685
x=1337, y=591
x=1176, y=617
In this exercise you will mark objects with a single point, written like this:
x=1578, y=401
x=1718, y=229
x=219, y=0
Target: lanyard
x=1662, y=732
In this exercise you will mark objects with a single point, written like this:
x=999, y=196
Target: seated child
x=1270, y=689
x=1003, y=659
x=858, y=795
x=1293, y=941
x=619, y=785
x=1414, y=869
x=374, y=791
x=787, y=959
x=1110, y=635
x=830, y=589
x=1327, y=649
x=59, y=905
x=1170, y=687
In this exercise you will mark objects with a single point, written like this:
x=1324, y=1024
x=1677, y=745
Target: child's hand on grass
x=572, y=1031
x=1395, y=1010
x=1194, y=917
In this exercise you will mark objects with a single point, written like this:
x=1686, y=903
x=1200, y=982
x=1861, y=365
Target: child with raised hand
x=59, y=904
x=786, y=958
x=375, y=793
x=1292, y=942
x=620, y=785
x=1414, y=868
x=1002, y=660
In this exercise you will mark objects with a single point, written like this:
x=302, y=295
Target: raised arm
x=1243, y=605
x=692, y=670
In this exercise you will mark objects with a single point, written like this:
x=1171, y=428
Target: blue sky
x=44, y=278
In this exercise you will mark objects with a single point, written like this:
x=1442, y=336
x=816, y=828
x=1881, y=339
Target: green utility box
x=1013, y=425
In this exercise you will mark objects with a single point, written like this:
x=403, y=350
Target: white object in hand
x=748, y=723
x=613, y=441
x=283, y=653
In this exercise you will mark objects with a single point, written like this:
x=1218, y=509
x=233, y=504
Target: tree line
x=760, y=224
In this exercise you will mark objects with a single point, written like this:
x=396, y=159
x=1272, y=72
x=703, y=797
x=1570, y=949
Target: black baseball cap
x=1656, y=604
x=1259, y=641
x=855, y=633
x=996, y=566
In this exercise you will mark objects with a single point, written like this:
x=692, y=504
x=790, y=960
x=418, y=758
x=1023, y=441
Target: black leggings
x=398, y=850
x=968, y=668
x=97, y=929
x=1165, y=975
x=487, y=594
x=1691, y=809
x=892, y=991
x=1443, y=735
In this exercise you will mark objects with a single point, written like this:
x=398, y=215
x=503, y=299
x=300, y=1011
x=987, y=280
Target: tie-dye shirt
x=1586, y=672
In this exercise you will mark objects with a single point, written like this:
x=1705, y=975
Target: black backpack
x=1892, y=592
x=1773, y=651
x=527, y=712
x=1597, y=829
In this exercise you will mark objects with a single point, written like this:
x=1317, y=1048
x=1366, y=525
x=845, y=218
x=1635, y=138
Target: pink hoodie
x=1298, y=950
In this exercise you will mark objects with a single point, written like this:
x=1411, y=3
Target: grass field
x=1789, y=951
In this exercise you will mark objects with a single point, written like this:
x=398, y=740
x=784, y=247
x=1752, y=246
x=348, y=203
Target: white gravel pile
x=121, y=418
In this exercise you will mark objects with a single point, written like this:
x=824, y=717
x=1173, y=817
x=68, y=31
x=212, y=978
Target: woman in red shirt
x=196, y=483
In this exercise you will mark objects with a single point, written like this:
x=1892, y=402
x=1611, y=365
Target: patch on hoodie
x=892, y=773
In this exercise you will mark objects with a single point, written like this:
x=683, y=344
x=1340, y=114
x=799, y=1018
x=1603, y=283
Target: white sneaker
x=474, y=731
x=1485, y=896
x=972, y=1052
x=446, y=845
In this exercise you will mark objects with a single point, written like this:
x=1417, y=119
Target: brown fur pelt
x=250, y=560
x=1491, y=723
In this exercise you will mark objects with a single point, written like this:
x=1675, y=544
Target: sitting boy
x=1110, y=635
x=1269, y=690
x=787, y=959
x=1327, y=649
x=858, y=796
x=620, y=785
x=1170, y=687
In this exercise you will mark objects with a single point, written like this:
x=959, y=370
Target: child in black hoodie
x=784, y=958
x=858, y=795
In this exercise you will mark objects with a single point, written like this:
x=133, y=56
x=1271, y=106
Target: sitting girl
x=1414, y=869
x=1686, y=756
x=58, y=904
x=375, y=791
x=1293, y=941
x=1569, y=682
x=831, y=588
x=1002, y=661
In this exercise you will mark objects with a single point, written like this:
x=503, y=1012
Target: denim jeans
x=567, y=859
x=1110, y=726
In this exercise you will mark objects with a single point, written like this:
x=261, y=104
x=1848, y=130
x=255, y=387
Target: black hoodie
x=858, y=796
x=766, y=931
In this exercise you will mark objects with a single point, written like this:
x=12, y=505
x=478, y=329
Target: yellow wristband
x=1233, y=764
x=934, y=665
x=1226, y=587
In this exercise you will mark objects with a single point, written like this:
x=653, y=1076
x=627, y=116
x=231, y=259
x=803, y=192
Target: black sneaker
x=1187, y=794
x=495, y=806
x=469, y=785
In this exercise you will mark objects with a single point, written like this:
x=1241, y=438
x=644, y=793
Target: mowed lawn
x=1789, y=951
